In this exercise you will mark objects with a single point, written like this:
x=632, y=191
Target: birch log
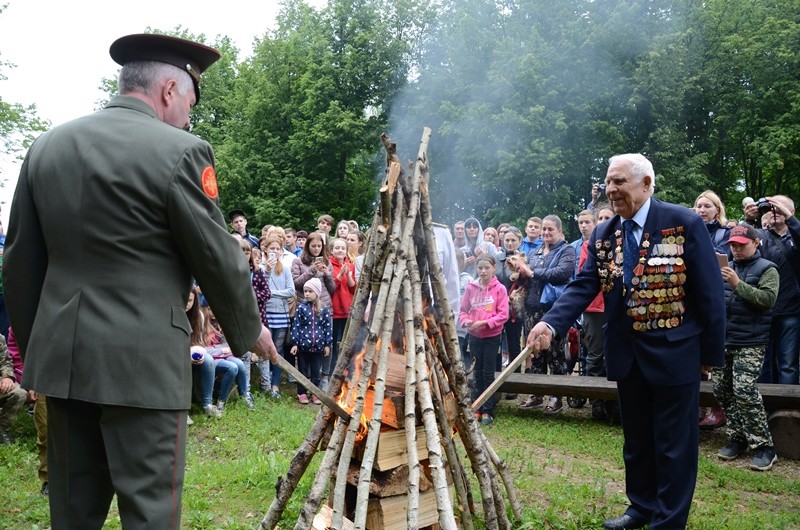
x=410, y=419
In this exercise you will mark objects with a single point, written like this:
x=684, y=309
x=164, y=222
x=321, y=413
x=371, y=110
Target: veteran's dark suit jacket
x=666, y=356
x=110, y=222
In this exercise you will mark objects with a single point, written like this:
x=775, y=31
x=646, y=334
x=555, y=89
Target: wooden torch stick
x=314, y=389
x=483, y=398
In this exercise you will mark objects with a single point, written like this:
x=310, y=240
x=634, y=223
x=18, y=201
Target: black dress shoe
x=623, y=522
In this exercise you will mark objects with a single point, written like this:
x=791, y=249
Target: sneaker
x=303, y=399
x=732, y=451
x=323, y=385
x=553, y=406
x=220, y=408
x=315, y=400
x=531, y=402
x=248, y=399
x=275, y=395
x=486, y=419
x=510, y=396
x=45, y=489
x=212, y=411
x=189, y=420
x=764, y=459
x=713, y=420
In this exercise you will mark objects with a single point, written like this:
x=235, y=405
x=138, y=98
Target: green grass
x=568, y=472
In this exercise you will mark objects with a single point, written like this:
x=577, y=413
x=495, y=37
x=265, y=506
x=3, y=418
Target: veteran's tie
x=630, y=250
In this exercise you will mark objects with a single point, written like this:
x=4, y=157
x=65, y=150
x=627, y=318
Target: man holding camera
x=780, y=245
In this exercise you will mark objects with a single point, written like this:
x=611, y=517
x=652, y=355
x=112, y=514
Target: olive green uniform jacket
x=110, y=221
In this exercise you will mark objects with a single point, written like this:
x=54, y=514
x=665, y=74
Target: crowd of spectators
x=304, y=283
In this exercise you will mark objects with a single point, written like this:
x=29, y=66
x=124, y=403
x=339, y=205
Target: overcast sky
x=60, y=48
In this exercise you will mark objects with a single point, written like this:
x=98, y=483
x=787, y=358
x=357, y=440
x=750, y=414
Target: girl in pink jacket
x=484, y=311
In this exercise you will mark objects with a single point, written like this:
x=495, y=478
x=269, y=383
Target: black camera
x=764, y=206
x=601, y=187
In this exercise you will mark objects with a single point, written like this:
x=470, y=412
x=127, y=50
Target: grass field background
x=567, y=468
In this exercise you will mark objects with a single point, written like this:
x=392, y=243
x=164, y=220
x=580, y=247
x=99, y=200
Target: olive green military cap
x=192, y=57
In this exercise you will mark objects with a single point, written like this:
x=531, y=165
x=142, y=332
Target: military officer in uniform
x=665, y=309
x=113, y=216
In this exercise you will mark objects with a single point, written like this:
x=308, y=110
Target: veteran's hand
x=539, y=338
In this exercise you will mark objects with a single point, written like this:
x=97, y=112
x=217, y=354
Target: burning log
x=409, y=362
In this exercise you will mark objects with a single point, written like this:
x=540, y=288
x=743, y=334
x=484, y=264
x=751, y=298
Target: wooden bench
x=783, y=399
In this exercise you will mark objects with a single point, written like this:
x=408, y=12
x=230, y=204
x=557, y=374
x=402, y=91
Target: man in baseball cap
x=743, y=234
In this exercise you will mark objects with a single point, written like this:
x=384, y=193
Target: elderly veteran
x=665, y=310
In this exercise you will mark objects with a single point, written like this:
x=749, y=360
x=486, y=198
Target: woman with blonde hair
x=709, y=207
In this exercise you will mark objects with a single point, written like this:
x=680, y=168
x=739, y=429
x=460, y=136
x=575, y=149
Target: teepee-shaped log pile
x=391, y=452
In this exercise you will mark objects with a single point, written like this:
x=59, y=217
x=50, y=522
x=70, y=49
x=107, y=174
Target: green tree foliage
x=529, y=99
x=310, y=108
x=526, y=99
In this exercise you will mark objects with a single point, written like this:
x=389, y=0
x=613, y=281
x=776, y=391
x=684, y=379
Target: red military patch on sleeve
x=210, y=183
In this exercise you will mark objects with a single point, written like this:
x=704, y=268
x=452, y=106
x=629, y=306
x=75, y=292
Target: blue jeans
x=206, y=378
x=271, y=374
x=781, y=360
x=230, y=370
x=329, y=362
x=310, y=365
x=485, y=353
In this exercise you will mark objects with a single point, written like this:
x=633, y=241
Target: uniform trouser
x=735, y=389
x=40, y=422
x=10, y=404
x=96, y=451
x=661, y=434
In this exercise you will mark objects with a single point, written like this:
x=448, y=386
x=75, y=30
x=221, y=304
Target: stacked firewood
x=409, y=326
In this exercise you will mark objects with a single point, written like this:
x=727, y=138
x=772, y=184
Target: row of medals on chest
x=657, y=293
